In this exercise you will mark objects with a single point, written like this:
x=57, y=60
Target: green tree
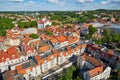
x=68, y=74
x=6, y=23
x=109, y=39
x=27, y=24
x=48, y=32
x=78, y=78
x=2, y=32
x=118, y=74
x=70, y=27
x=55, y=23
x=116, y=37
x=21, y=24
x=104, y=39
x=106, y=32
x=97, y=41
x=47, y=26
x=92, y=30
x=33, y=24
x=34, y=36
x=94, y=39
x=87, y=36
x=60, y=78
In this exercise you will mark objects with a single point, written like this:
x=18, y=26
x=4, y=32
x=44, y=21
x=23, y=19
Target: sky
x=57, y=5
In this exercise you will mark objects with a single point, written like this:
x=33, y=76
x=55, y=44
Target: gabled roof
x=92, y=60
x=54, y=40
x=21, y=69
x=95, y=71
x=61, y=38
x=10, y=54
x=45, y=48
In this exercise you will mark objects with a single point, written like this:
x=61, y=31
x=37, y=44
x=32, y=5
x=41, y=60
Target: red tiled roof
x=61, y=38
x=92, y=60
x=95, y=71
x=110, y=52
x=19, y=67
x=45, y=48
x=37, y=57
x=10, y=54
x=28, y=48
x=54, y=40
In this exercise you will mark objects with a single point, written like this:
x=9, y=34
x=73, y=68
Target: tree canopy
x=34, y=36
x=27, y=24
x=70, y=74
x=48, y=32
x=106, y=32
x=92, y=30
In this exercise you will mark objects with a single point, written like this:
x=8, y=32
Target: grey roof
x=28, y=64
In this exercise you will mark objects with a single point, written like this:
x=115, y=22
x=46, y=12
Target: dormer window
x=13, y=56
x=7, y=59
x=2, y=59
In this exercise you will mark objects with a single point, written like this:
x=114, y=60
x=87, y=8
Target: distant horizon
x=61, y=10
x=58, y=5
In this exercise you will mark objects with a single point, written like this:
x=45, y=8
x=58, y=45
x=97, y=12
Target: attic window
x=13, y=56
x=2, y=59
x=7, y=59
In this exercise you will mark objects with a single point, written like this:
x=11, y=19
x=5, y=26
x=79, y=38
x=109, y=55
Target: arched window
x=7, y=59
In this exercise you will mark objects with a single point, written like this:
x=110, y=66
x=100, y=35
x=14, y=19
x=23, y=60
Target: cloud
x=110, y=2
x=16, y=1
x=31, y=2
x=104, y=2
x=56, y=2
x=85, y=1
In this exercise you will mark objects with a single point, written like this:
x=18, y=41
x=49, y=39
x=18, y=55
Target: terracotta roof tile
x=10, y=54
x=54, y=40
x=110, y=52
x=23, y=71
x=19, y=67
x=95, y=71
x=45, y=48
x=92, y=60
x=37, y=57
x=61, y=38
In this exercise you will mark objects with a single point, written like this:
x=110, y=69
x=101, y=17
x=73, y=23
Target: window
x=2, y=59
x=61, y=59
x=67, y=56
x=8, y=62
x=45, y=65
x=7, y=59
x=52, y=62
x=13, y=56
